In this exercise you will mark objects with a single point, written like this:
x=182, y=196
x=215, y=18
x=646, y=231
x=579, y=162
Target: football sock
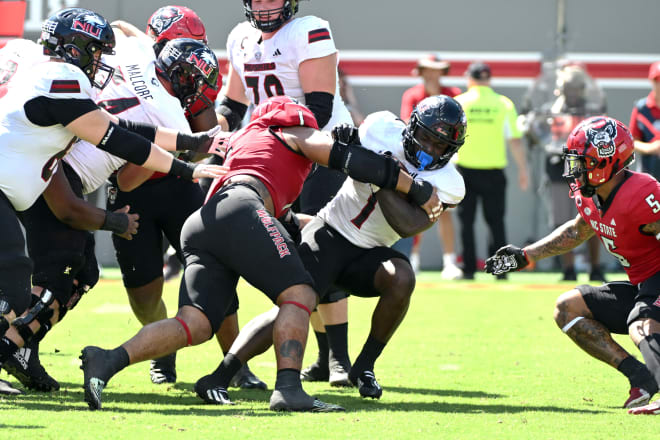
x=7, y=348
x=337, y=340
x=119, y=358
x=288, y=378
x=365, y=361
x=650, y=348
x=638, y=375
x=322, y=341
x=226, y=370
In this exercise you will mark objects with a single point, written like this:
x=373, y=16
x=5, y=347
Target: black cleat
x=7, y=389
x=163, y=370
x=368, y=385
x=315, y=373
x=25, y=366
x=246, y=379
x=212, y=393
x=97, y=370
x=299, y=401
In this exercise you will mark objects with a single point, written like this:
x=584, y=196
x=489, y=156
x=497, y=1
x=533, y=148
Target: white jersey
x=270, y=67
x=30, y=146
x=135, y=93
x=381, y=132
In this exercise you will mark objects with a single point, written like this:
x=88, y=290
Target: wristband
x=116, y=222
x=200, y=142
x=420, y=192
x=183, y=169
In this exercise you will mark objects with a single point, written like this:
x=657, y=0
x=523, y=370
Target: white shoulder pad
x=311, y=37
x=381, y=131
x=62, y=81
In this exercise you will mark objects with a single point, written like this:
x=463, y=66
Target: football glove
x=346, y=134
x=506, y=259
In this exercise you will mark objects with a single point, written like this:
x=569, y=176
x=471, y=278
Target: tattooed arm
x=651, y=229
x=563, y=239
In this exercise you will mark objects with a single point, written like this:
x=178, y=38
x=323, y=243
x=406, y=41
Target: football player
x=237, y=234
x=348, y=243
x=276, y=53
x=47, y=103
x=622, y=208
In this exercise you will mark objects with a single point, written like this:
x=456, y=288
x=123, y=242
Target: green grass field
x=473, y=360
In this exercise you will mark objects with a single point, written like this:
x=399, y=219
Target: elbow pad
x=320, y=103
x=364, y=165
x=144, y=129
x=233, y=111
x=124, y=144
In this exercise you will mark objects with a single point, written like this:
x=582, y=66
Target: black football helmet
x=437, y=121
x=77, y=35
x=191, y=67
x=270, y=20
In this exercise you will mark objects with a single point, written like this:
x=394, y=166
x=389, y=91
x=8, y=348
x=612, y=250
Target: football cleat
x=300, y=401
x=650, y=409
x=7, y=389
x=163, y=370
x=368, y=385
x=638, y=397
x=339, y=376
x=210, y=392
x=451, y=272
x=96, y=366
x=246, y=379
x=315, y=373
x=25, y=366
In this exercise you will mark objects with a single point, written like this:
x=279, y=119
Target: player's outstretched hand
x=433, y=207
x=506, y=259
x=346, y=134
x=209, y=171
x=133, y=223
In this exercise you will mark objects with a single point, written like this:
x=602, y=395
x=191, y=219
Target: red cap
x=654, y=70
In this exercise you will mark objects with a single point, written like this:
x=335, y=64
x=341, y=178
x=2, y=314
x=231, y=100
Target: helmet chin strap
x=424, y=159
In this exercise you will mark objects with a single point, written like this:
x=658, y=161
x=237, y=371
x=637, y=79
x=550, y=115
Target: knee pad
x=4, y=324
x=15, y=286
x=39, y=311
x=56, y=272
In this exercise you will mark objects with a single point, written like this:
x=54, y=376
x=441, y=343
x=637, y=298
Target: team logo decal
x=587, y=211
x=90, y=24
x=204, y=60
x=167, y=17
x=603, y=138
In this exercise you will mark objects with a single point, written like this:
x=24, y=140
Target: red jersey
x=415, y=94
x=259, y=150
x=636, y=202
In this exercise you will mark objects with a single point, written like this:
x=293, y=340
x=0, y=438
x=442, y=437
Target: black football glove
x=506, y=259
x=346, y=134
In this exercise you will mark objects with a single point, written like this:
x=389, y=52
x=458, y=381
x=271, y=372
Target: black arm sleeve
x=144, y=129
x=364, y=165
x=233, y=111
x=122, y=143
x=44, y=111
x=320, y=103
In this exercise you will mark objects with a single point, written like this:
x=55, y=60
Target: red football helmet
x=284, y=111
x=170, y=22
x=596, y=150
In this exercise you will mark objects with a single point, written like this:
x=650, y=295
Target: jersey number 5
x=610, y=247
x=272, y=86
x=654, y=204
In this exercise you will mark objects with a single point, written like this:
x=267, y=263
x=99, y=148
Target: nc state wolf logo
x=90, y=24
x=602, y=138
x=165, y=19
x=204, y=60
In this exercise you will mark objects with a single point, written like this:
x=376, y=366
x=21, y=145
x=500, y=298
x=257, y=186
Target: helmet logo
x=89, y=24
x=165, y=19
x=203, y=60
x=602, y=138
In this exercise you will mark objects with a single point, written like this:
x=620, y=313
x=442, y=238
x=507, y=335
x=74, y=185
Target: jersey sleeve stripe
x=65, y=86
x=318, y=35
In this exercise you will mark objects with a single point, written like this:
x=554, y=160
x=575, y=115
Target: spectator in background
x=430, y=69
x=645, y=125
x=576, y=96
x=482, y=160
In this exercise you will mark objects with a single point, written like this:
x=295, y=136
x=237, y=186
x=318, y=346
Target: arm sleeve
x=44, y=111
